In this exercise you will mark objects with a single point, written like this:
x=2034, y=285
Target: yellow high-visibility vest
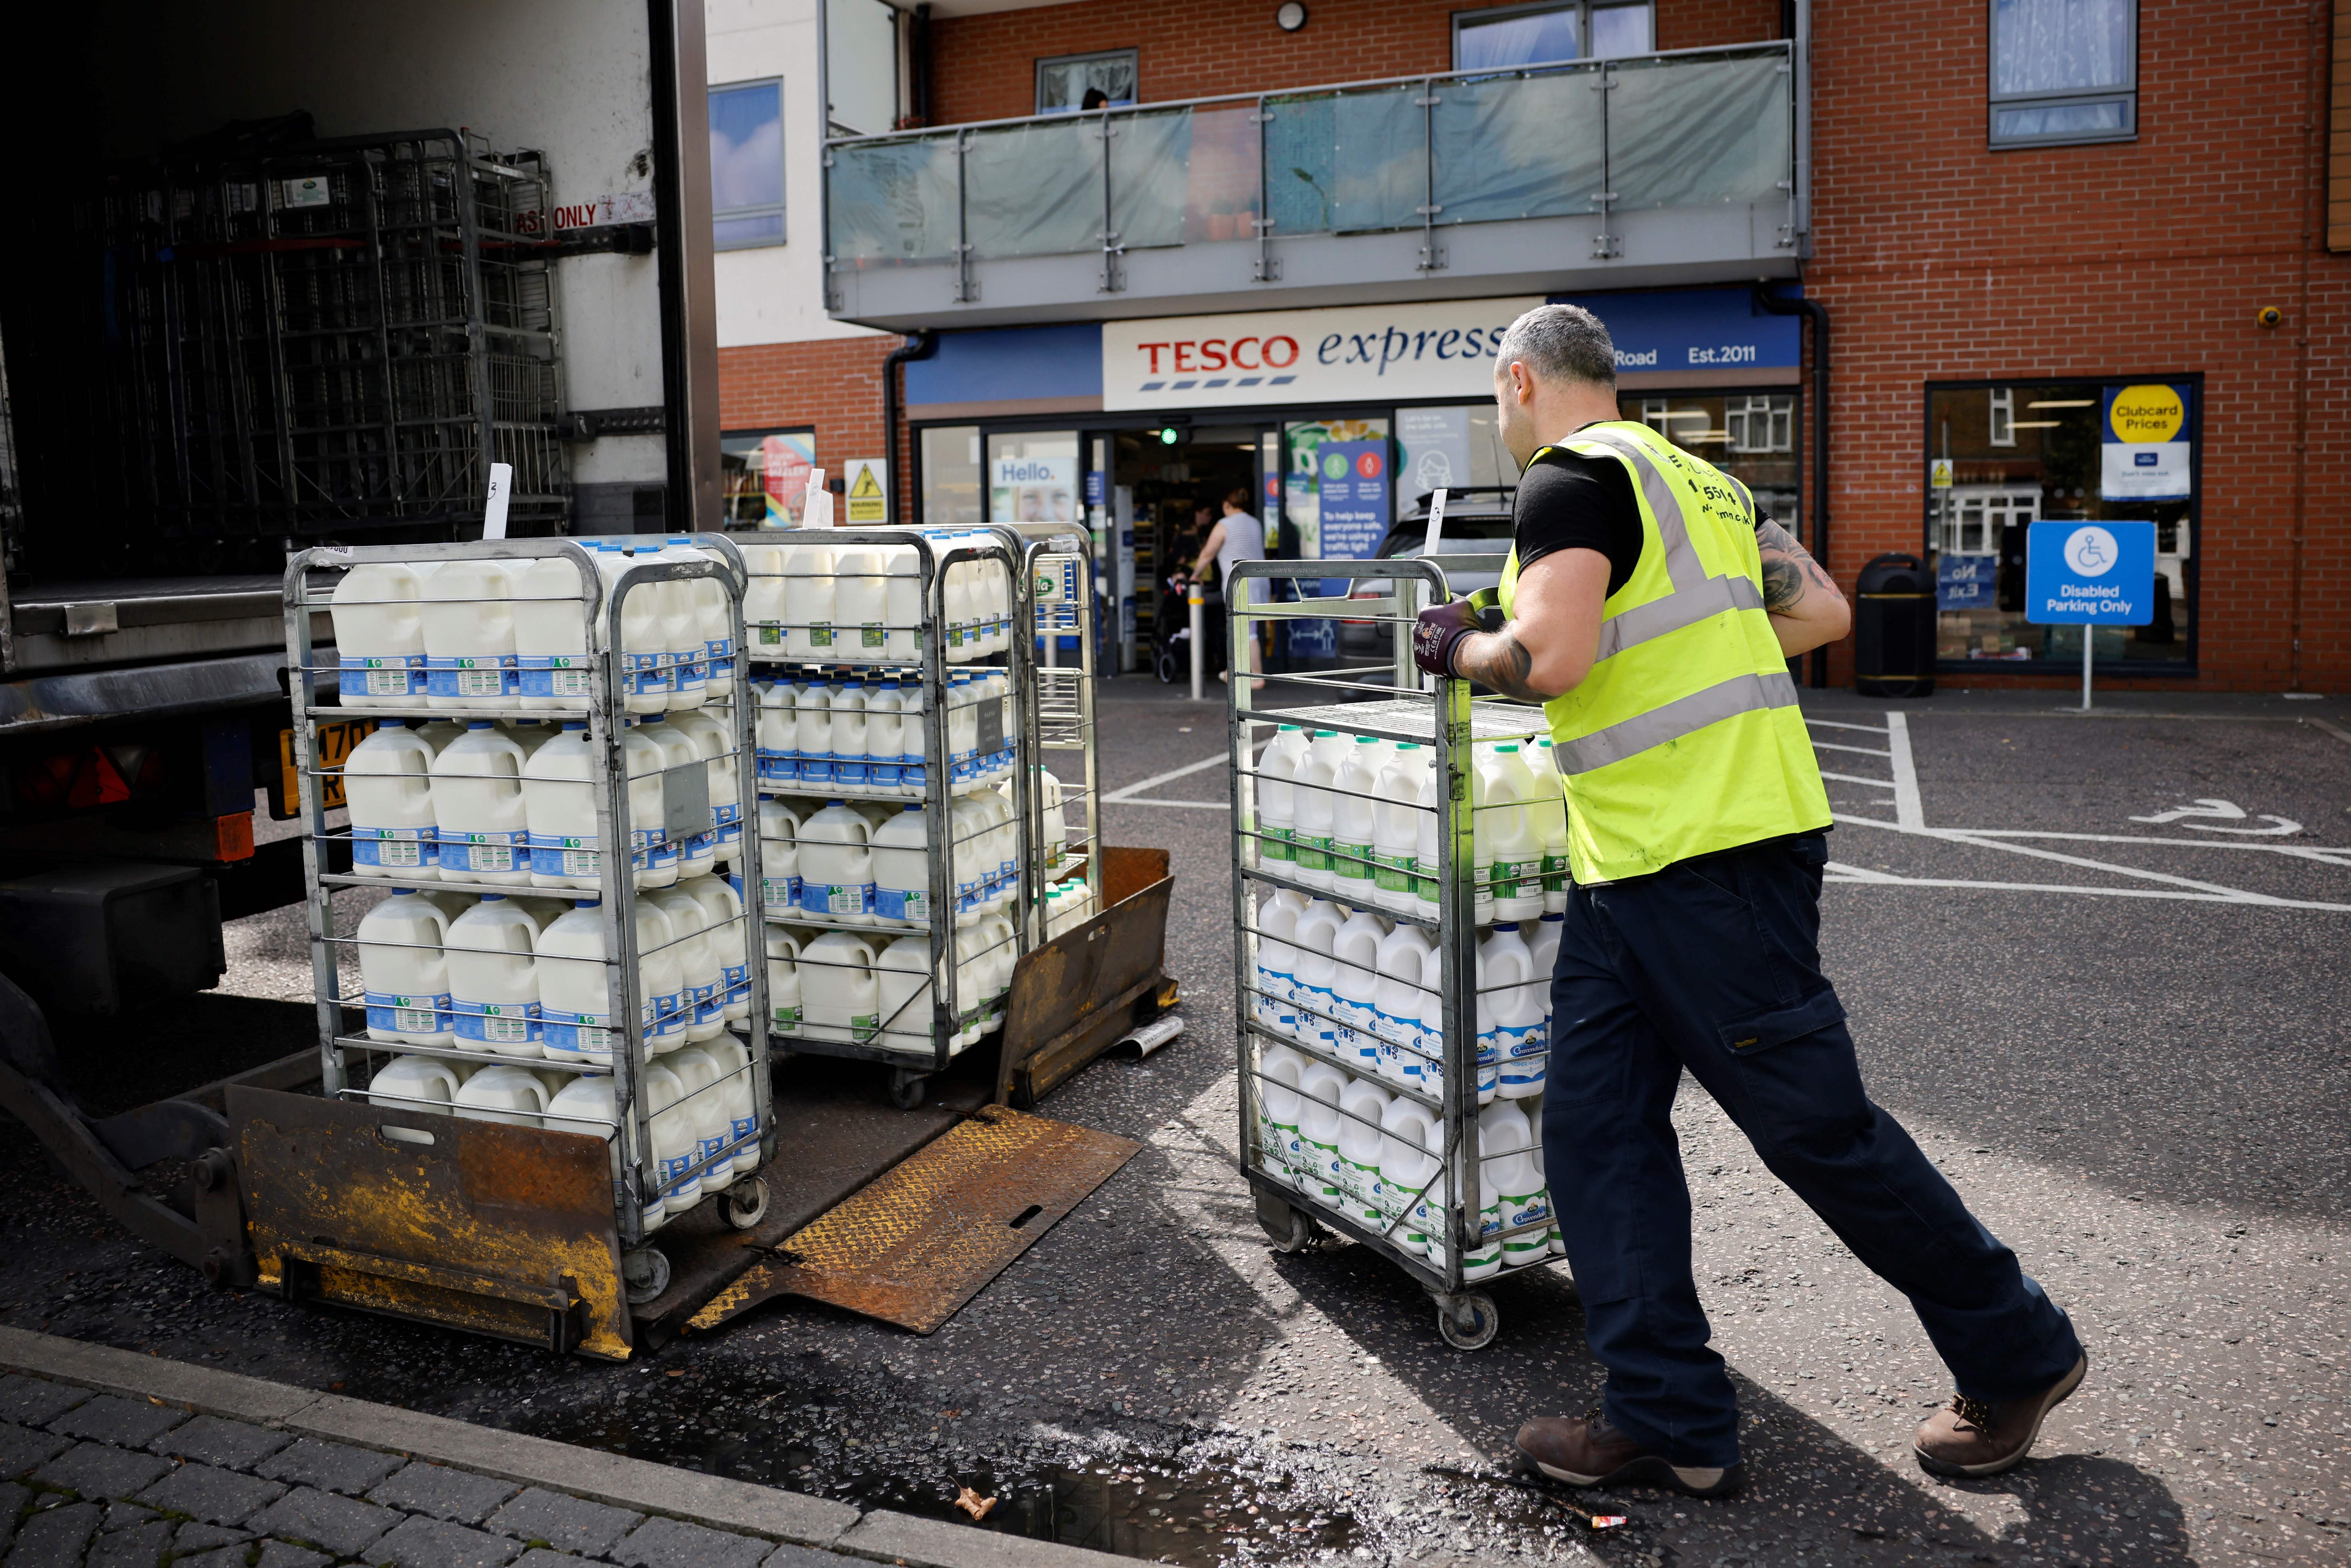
x=1686, y=738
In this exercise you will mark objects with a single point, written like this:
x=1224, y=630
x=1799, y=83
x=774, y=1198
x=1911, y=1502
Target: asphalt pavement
x=2096, y=965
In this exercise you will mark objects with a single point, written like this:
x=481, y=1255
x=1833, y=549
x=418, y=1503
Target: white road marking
x=1126, y=796
x=1185, y=805
x=1907, y=808
x=1958, y=836
x=1864, y=751
x=2205, y=806
x=1884, y=881
x=1857, y=778
x=2324, y=853
x=1832, y=724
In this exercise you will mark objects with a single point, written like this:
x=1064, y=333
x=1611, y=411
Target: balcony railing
x=1597, y=140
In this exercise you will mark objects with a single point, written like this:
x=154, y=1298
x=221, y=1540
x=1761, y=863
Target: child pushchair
x=1171, y=631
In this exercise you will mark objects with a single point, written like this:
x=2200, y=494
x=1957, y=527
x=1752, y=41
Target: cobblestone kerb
x=109, y=1459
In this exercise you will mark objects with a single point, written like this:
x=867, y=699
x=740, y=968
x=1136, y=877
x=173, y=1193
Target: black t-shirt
x=1567, y=501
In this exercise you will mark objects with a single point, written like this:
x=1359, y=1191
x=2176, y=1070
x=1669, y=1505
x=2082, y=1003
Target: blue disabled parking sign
x=2090, y=574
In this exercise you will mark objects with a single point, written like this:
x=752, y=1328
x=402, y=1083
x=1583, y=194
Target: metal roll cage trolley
x=912, y=1066
x=446, y=1256
x=1440, y=712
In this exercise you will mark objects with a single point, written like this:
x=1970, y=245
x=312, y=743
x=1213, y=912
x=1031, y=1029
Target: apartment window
x=1504, y=38
x=2000, y=423
x=2063, y=71
x=1062, y=83
x=747, y=164
x=1760, y=423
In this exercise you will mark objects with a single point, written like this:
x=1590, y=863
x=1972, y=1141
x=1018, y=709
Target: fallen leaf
x=972, y=1503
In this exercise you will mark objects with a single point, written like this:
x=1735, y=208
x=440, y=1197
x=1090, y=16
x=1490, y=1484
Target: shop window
x=1032, y=477
x=1458, y=446
x=950, y=476
x=1062, y=84
x=1505, y=38
x=746, y=164
x=2062, y=461
x=2063, y=71
x=763, y=477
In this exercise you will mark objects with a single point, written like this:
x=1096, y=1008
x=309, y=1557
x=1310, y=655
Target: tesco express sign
x=1345, y=354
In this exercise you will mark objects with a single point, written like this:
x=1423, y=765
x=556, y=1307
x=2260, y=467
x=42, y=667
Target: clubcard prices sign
x=2146, y=445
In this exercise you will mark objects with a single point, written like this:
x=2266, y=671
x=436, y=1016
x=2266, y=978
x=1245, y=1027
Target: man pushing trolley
x=1652, y=610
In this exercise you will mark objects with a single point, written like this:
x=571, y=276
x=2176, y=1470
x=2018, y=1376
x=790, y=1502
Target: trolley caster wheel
x=745, y=1203
x=906, y=1089
x=1291, y=1230
x=644, y=1274
x=1468, y=1321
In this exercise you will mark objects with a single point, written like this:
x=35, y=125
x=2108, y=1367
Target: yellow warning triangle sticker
x=867, y=485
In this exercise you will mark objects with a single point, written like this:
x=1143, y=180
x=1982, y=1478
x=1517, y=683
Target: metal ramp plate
x=919, y=1241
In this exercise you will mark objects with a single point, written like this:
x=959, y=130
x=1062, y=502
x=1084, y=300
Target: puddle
x=1164, y=1512
x=1203, y=1511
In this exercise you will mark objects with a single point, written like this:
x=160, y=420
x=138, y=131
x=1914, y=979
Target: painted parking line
x=1839, y=872
x=1127, y=796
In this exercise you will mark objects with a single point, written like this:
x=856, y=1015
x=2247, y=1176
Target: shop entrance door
x=1168, y=487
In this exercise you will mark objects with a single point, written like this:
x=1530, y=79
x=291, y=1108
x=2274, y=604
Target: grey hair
x=1559, y=344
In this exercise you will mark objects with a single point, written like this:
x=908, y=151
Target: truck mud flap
x=498, y=1230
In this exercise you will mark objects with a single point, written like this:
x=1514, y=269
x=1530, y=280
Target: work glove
x=1442, y=626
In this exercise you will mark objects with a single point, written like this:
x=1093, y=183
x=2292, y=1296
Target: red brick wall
x=1938, y=259
x=832, y=385
x=987, y=66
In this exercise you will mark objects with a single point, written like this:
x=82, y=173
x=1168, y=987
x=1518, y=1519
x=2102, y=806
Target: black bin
x=1894, y=628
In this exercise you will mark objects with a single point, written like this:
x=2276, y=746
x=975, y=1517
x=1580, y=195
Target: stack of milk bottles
x=871, y=775
x=485, y=969
x=1347, y=999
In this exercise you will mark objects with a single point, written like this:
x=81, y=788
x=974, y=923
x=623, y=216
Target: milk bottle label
x=555, y=674
x=909, y=905
x=498, y=1023
x=718, y=651
x=883, y=773
x=786, y=1015
x=833, y=898
x=643, y=674
x=406, y=1013
x=864, y=1027
x=1528, y=1209
x=692, y=675
x=394, y=847
x=872, y=634
x=472, y=675
x=568, y=1034
x=1278, y=845
x=779, y=766
x=771, y=633
x=564, y=854
x=462, y=852
x=1351, y=862
x=1392, y=874
x=1315, y=852
x=709, y=1006
x=393, y=675
x=820, y=634
x=780, y=890
x=1517, y=879
x=815, y=769
x=730, y=825
x=674, y=1178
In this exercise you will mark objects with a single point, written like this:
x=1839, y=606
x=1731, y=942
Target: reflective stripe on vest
x=1684, y=715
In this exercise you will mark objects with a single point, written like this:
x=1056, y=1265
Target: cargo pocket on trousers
x=1816, y=1012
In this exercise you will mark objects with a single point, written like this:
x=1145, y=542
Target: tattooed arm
x=1547, y=648
x=1806, y=607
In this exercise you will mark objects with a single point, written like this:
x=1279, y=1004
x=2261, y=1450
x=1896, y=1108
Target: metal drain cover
x=917, y=1243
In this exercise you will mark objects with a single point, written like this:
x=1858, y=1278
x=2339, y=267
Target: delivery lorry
x=285, y=275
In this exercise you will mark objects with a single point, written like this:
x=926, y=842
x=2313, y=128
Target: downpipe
x=1814, y=311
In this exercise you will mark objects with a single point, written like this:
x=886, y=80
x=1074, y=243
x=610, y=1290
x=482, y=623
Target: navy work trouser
x=1713, y=965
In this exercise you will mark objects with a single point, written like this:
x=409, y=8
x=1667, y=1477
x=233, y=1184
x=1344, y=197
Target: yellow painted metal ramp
x=920, y=1241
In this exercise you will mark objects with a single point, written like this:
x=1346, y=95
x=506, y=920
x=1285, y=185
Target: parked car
x=1477, y=522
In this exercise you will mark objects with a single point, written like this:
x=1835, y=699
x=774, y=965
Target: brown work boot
x=1976, y=1438
x=1586, y=1451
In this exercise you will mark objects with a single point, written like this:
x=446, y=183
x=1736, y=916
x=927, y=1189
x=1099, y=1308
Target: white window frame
x=1987, y=507
x=1134, y=57
x=2125, y=93
x=1582, y=9
x=764, y=209
x=1777, y=412
x=2000, y=424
